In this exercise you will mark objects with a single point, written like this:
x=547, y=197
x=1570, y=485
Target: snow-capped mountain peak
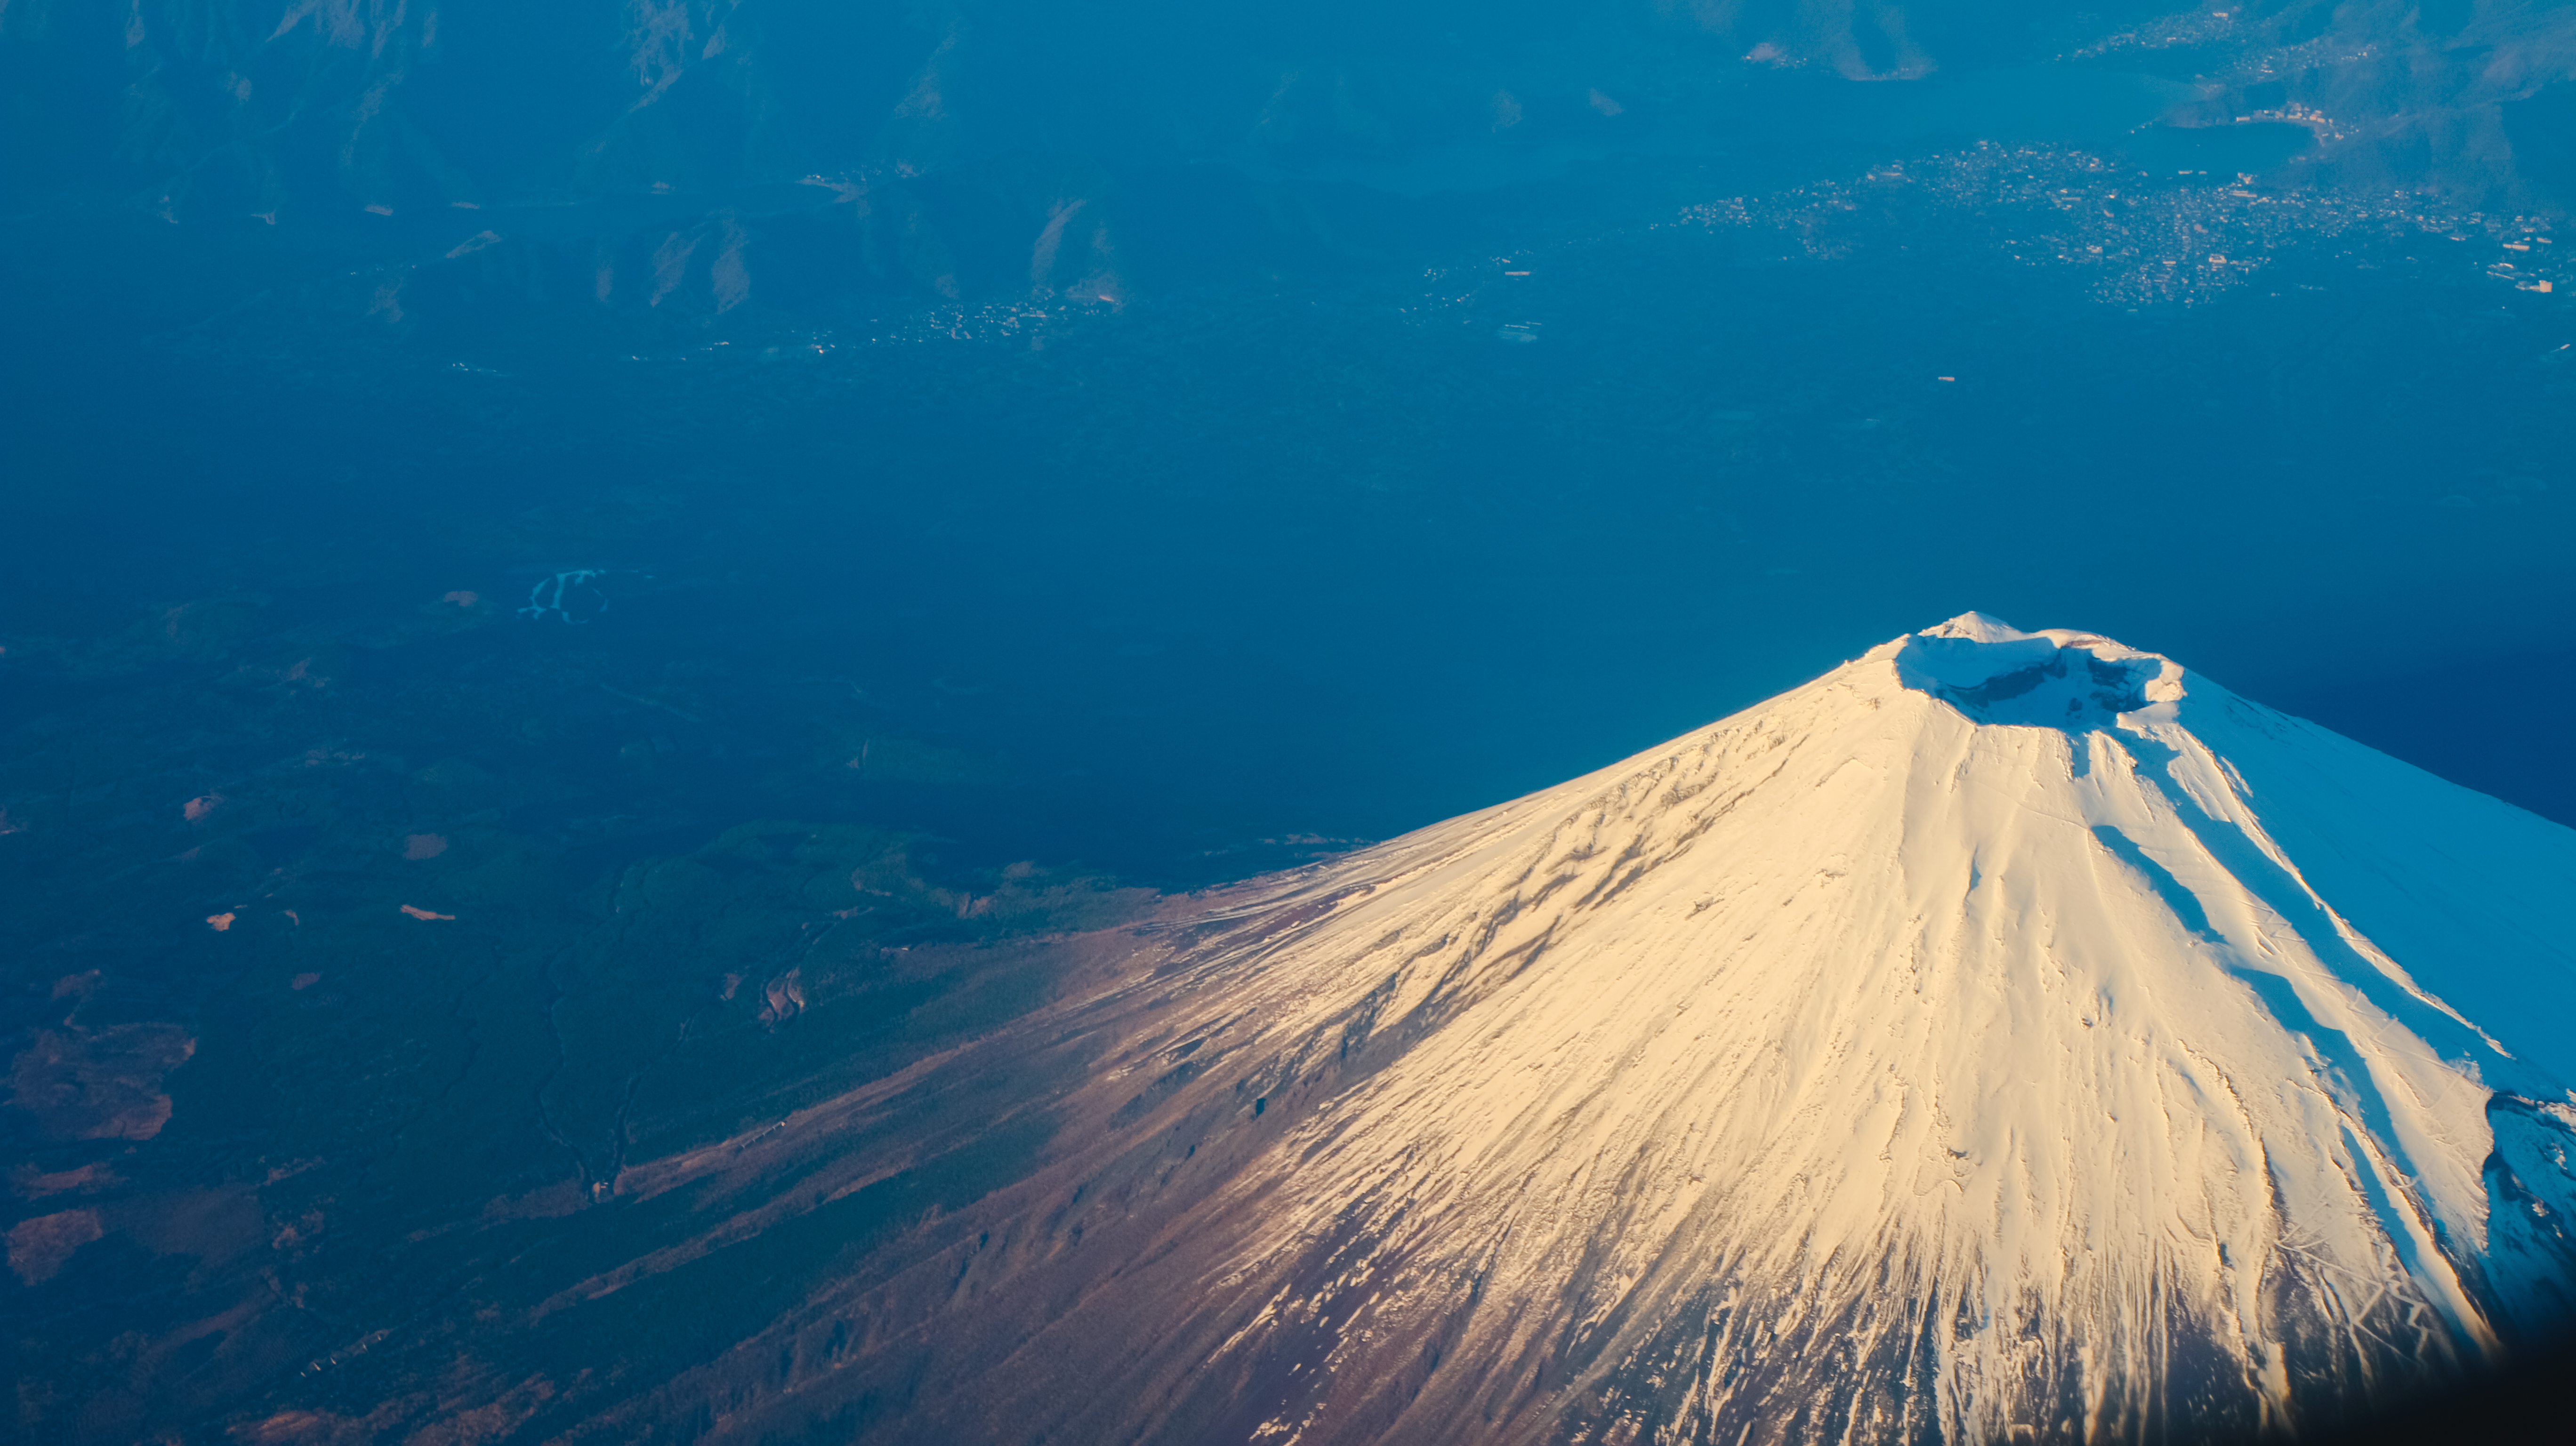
x=2005, y=1036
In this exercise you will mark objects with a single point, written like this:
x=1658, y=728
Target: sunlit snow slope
x=2005, y=1036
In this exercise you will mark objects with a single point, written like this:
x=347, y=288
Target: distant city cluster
x=2145, y=239
x=1031, y=318
x=2213, y=29
x=2166, y=32
x=2319, y=124
x=2323, y=53
x=1026, y=321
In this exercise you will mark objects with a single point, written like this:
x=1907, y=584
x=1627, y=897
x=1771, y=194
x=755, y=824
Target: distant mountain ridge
x=764, y=148
x=2005, y=1036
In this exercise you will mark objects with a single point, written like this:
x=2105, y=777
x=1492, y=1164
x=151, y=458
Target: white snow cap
x=1971, y=649
x=2005, y=1036
x=1977, y=627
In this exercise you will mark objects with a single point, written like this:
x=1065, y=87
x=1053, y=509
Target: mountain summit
x=2006, y=1036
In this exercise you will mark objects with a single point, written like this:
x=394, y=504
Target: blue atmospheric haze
x=580, y=578
x=1257, y=421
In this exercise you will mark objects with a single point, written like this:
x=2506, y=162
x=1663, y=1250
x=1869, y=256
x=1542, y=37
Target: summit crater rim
x=1996, y=674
